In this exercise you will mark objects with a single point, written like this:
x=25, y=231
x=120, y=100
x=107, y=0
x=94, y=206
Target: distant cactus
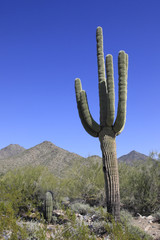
x=107, y=130
x=48, y=206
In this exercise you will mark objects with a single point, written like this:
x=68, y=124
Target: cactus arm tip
x=100, y=55
x=99, y=29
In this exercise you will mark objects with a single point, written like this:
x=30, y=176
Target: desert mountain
x=55, y=158
x=46, y=153
x=129, y=158
x=11, y=150
x=132, y=157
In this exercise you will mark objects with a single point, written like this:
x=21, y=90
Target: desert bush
x=83, y=209
x=8, y=224
x=123, y=230
x=73, y=229
x=140, y=186
x=85, y=182
x=25, y=187
x=12, y=228
x=34, y=230
x=125, y=217
x=21, y=191
x=117, y=231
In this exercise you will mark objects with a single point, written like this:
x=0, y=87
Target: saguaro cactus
x=108, y=129
x=48, y=206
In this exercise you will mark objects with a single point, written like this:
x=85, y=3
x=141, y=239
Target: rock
x=7, y=234
x=50, y=227
x=147, y=228
x=143, y=217
x=79, y=218
x=61, y=218
x=58, y=213
x=94, y=217
x=150, y=217
x=33, y=215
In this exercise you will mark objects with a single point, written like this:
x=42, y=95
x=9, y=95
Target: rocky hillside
x=46, y=153
x=55, y=158
x=11, y=150
x=132, y=157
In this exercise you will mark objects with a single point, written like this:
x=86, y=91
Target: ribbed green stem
x=101, y=77
x=121, y=113
x=48, y=205
x=111, y=95
x=110, y=169
x=88, y=122
x=100, y=55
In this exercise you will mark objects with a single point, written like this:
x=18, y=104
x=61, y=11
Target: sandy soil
x=148, y=225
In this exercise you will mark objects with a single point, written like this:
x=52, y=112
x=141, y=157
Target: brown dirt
x=147, y=225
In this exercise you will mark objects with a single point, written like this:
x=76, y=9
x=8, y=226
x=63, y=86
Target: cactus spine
x=48, y=206
x=107, y=130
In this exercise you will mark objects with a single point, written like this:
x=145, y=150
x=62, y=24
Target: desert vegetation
x=78, y=198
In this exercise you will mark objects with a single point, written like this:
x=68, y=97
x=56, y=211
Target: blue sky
x=46, y=44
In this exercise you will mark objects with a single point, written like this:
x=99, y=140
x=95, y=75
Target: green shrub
x=25, y=187
x=125, y=217
x=140, y=186
x=83, y=209
x=123, y=230
x=74, y=230
x=8, y=222
x=85, y=181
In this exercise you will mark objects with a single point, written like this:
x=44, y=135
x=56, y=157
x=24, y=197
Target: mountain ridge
x=11, y=150
x=132, y=157
x=45, y=153
x=55, y=158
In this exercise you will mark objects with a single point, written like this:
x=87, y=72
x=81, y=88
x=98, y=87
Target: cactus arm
x=100, y=55
x=101, y=77
x=85, y=110
x=88, y=122
x=121, y=113
x=111, y=94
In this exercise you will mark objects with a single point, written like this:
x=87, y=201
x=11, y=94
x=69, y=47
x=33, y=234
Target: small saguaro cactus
x=108, y=129
x=48, y=206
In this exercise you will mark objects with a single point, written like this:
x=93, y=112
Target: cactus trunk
x=48, y=206
x=110, y=169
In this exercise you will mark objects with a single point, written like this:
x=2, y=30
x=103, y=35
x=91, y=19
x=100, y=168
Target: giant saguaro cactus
x=108, y=129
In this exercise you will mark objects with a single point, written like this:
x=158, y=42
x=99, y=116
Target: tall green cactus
x=48, y=206
x=107, y=130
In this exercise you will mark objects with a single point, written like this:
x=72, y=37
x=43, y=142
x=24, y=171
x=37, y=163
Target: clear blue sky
x=46, y=44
